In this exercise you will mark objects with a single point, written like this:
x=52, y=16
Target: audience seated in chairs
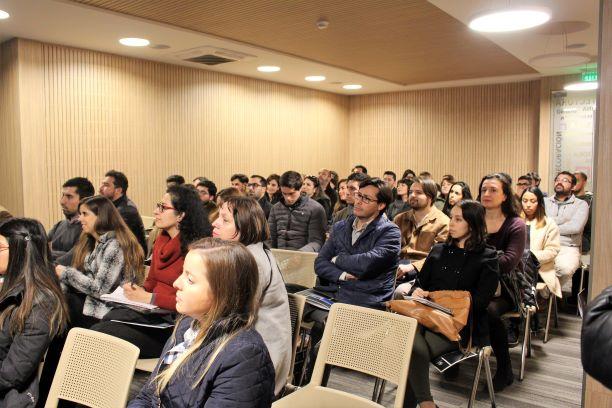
x=114, y=187
x=464, y=262
x=242, y=220
x=106, y=255
x=32, y=309
x=507, y=233
x=458, y=191
x=401, y=203
x=571, y=215
x=65, y=234
x=215, y=356
x=421, y=227
x=296, y=222
x=352, y=186
x=181, y=220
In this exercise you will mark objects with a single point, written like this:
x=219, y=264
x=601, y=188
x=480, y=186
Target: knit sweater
x=166, y=267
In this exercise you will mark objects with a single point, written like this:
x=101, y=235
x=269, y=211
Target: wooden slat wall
x=11, y=193
x=596, y=395
x=467, y=132
x=88, y=112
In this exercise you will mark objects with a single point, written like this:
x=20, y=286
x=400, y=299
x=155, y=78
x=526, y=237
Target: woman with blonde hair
x=106, y=255
x=215, y=356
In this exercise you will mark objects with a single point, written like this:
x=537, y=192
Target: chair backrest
x=370, y=341
x=296, y=267
x=296, y=309
x=95, y=370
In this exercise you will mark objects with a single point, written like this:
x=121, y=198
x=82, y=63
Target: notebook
x=119, y=297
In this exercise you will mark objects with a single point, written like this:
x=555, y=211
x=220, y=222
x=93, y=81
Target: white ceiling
x=84, y=27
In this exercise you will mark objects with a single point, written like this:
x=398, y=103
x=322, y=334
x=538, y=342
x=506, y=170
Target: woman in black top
x=464, y=262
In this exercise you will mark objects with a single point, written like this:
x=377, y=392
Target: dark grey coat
x=299, y=227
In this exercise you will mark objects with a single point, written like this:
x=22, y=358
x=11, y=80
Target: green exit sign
x=589, y=76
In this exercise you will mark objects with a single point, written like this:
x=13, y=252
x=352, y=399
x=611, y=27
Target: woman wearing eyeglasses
x=182, y=220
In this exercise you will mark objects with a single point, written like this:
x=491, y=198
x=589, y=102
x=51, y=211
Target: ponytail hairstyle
x=30, y=271
x=108, y=220
x=233, y=277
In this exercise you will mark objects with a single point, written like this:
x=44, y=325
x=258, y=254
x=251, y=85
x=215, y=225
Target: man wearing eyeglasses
x=571, y=215
x=257, y=189
x=523, y=183
x=352, y=185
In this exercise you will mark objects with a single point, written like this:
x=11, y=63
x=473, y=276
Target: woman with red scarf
x=181, y=218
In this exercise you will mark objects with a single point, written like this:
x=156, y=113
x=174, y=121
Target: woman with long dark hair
x=312, y=188
x=215, y=357
x=32, y=309
x=507, y=233
x=457, y=192
x=106, y=255
x=342, y=193
x=401, y=203
x=543, y=238
x=182, y=220
x=464, y=262
x=241, y=219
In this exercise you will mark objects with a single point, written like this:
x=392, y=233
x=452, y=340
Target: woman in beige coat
x=543, y=237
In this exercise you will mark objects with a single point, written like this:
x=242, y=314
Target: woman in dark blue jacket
x=215, y=358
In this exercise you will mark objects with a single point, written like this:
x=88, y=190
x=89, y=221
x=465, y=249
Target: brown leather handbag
x=449, y=325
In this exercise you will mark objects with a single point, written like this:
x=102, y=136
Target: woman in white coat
x=543, y=237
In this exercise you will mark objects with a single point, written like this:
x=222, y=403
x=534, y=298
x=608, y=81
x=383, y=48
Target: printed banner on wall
x=573, y=131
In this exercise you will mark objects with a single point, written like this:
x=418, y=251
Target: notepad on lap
x=119, y=297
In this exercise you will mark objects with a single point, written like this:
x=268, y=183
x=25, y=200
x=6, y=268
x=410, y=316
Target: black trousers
x=150, y=341
x=498, y=332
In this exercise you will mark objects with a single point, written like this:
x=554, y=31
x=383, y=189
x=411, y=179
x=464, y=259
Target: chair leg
x=556, y=313
x=582, y=268
x=381, y=391
x=481, y=357
x=377, y=384
x=528, y=331
x=525, y=348
x=489, y=380
x=548, y=315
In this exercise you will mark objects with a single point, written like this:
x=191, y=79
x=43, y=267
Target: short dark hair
x=83, y=186
x=408, y=172
x=176, y=178
x=526, y=177
x=535, y=176
x=430, y=188
x=357, y=177
x=510, y=206
x=384, y=195
x=274, y=177
x=474, y=214
x=120, y=180
x=424, y=174
x=200, y=179
x=241, y=178
x=212, y=187
x=362, y=167
x=582, y=174
x=567, y=173
x=291, y=179
x=391, y=173
x=448, y=177
x=262, y=181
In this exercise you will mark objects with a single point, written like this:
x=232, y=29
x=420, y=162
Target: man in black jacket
x=114, y=187
x=65, y=234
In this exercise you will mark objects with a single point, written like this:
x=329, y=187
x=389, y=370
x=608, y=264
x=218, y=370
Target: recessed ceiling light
x=581, y=86
x=315, y=78
x=268, y=68
x=134, y=42
x=4, y=15
x=509, y=19
x=352, y=86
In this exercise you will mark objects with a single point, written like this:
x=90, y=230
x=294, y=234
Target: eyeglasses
x=364, y=198
x=254, y=185
x=523, y=184
x=161, y=207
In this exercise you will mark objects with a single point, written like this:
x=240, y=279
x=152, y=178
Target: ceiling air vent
x=212, y=56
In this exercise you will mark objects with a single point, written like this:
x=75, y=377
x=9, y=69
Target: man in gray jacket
x=296, y=221
x=65, y=234
x=570, y=214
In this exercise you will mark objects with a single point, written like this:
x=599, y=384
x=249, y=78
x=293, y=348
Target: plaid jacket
x=102, y=273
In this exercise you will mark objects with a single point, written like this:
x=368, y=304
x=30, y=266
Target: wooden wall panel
x=11, y=192
x=596, y=395
x=88, y=112
x=467, y=132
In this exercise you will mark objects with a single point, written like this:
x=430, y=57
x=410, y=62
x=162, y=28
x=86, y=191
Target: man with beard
x=421, y=227
x=571, y=215
x=257, y=190
x=65, y=234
